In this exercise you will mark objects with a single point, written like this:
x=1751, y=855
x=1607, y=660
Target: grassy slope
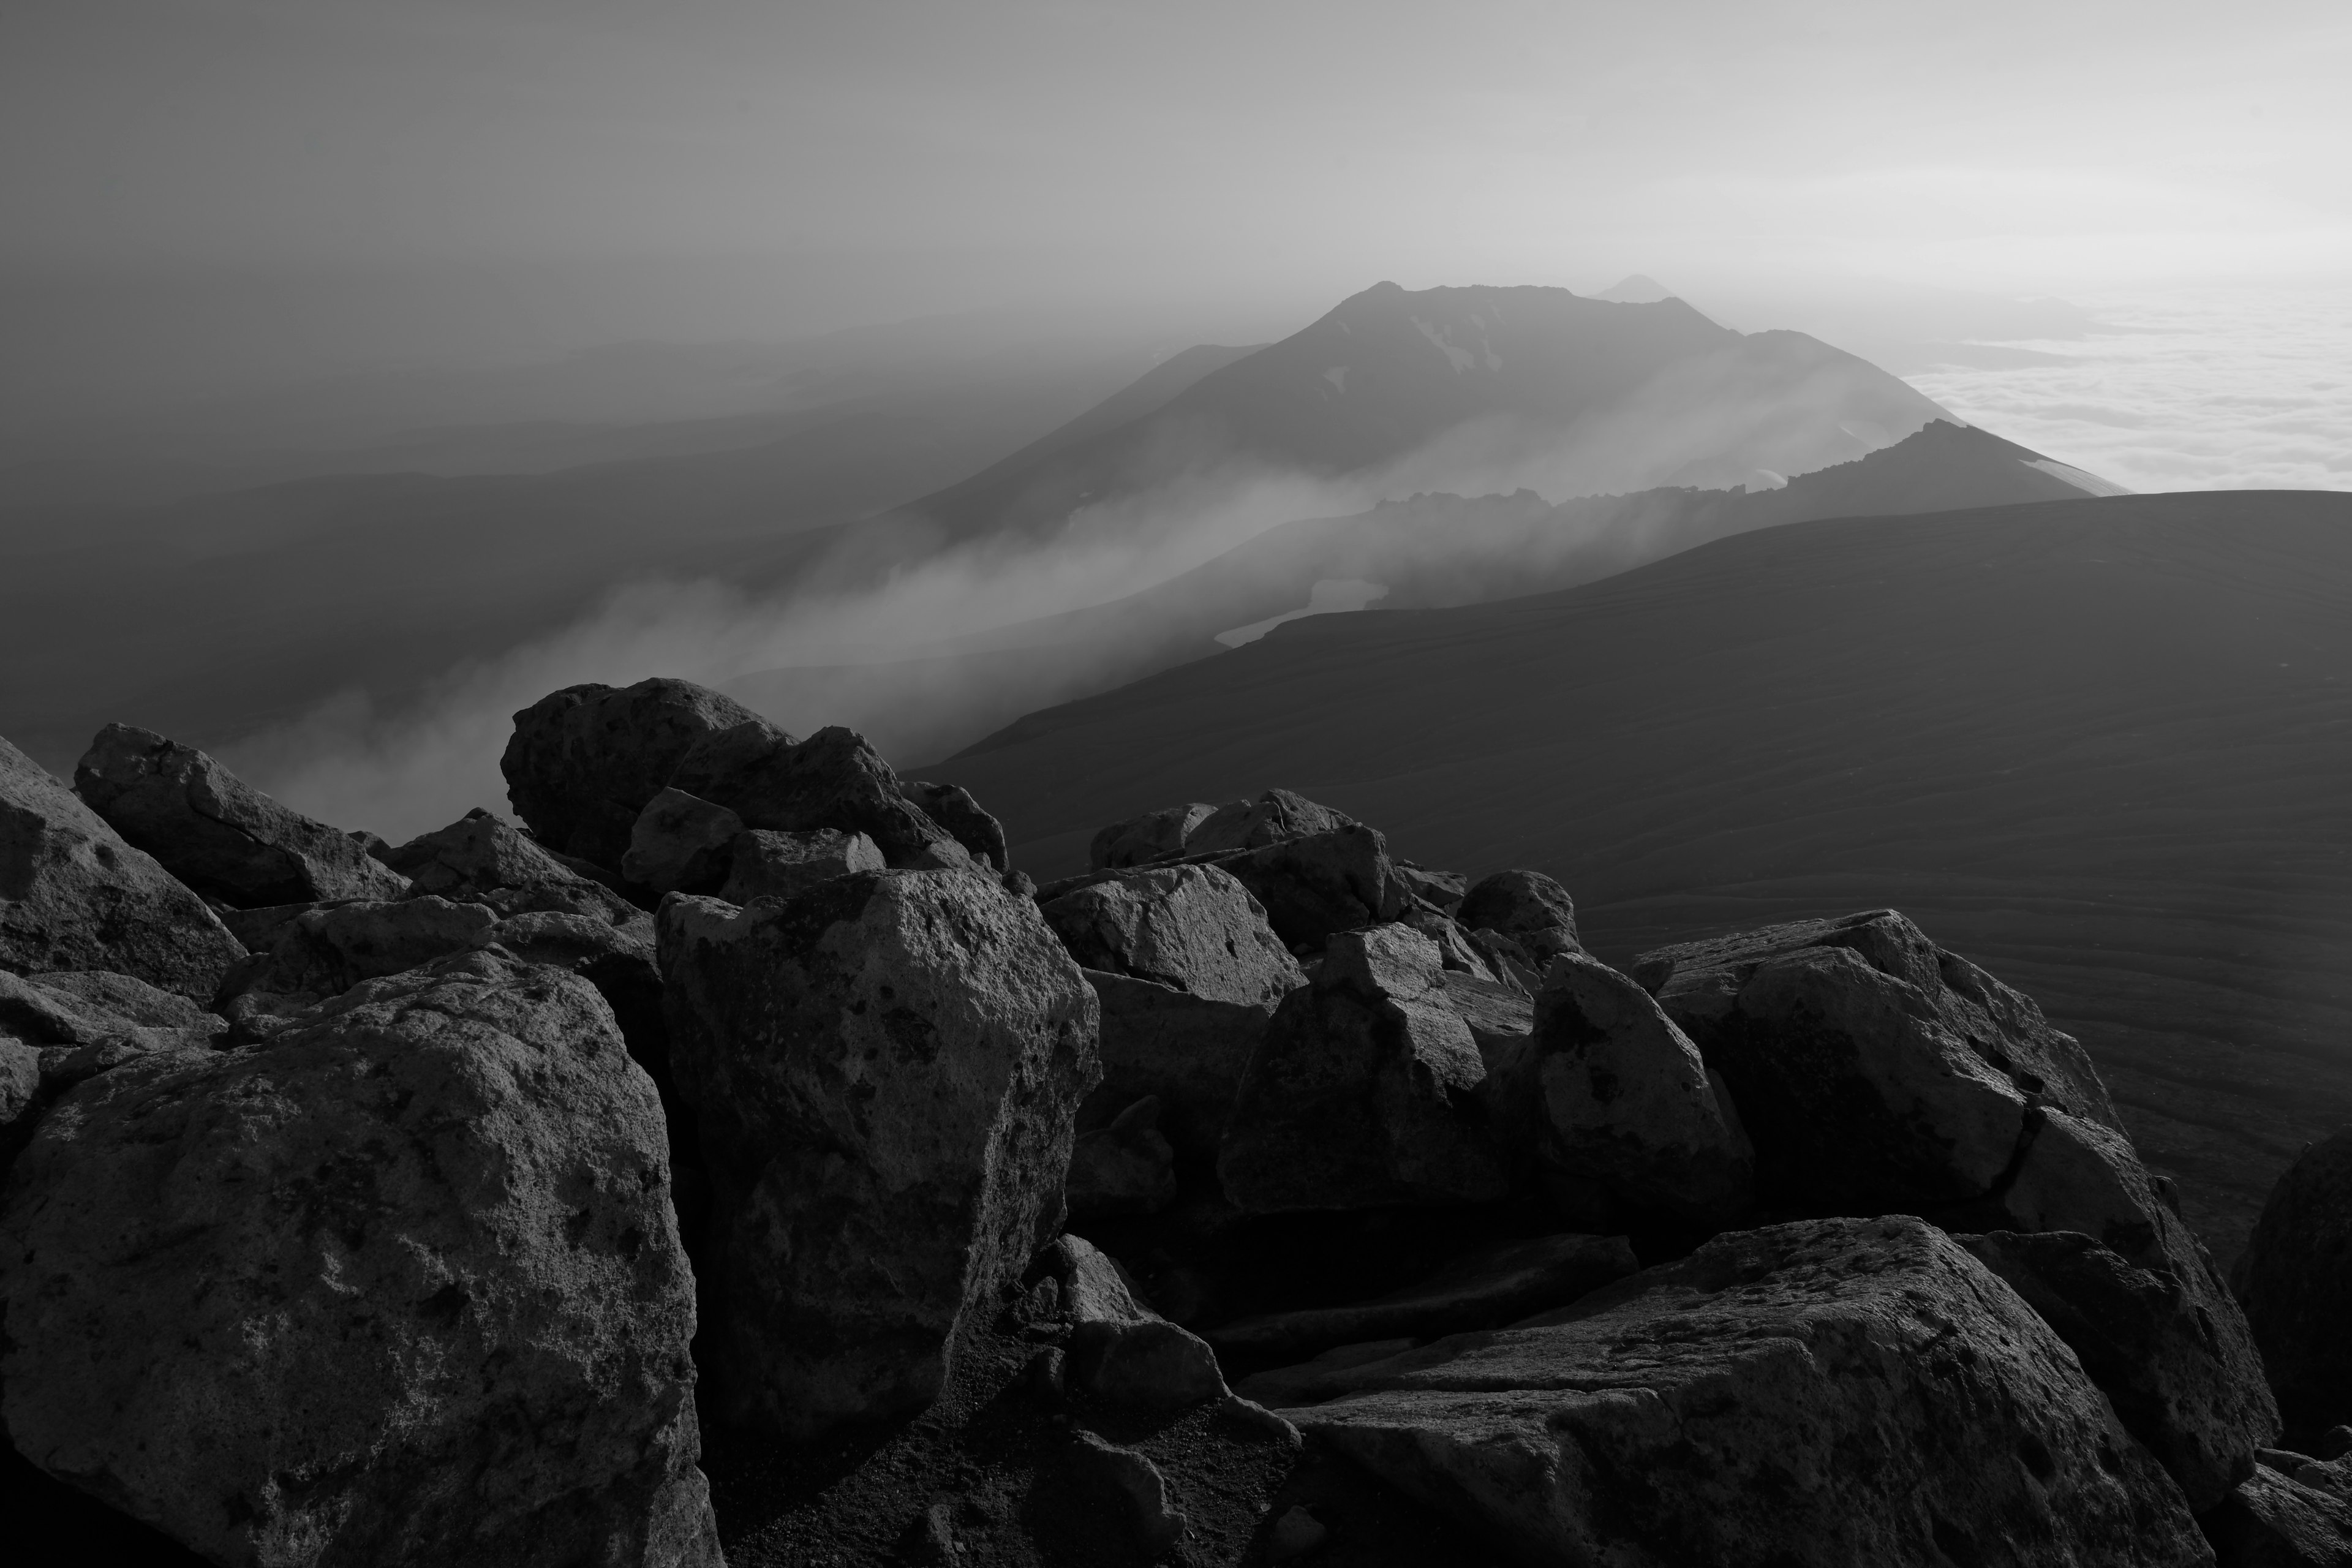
x=2101, y=746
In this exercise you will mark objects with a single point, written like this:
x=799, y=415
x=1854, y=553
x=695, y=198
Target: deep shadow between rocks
x=51, y=1525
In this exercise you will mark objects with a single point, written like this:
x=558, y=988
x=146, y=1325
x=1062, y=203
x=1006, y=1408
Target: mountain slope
x=2099, y=745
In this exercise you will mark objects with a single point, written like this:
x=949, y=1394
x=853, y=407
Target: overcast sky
x=847, y=159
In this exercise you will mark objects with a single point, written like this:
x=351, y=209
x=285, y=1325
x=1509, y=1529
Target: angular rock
x=1439, y=889
x=2272, y=1521
x=73, y=895
x=1154, y=836
x=1191, y=927
x=331, y=948
x=833, y=779
x=1528, y=908
x=1832, y=1392
x=480, y=859
x=884, y=1073
x=1313, y=887
x=403, y=1287
x=88, y=1007
x=2140, y=1337
x=2295, y=1280
x=1501, y=1016
x=771, y=865
x=680, y=844
x=1138, y=1486
x=215, y=832
x=1486, y=1288
x=1091, y=1288
x=1605, y=1090
x=1274, y=817
x=1185, y=1051
x=1871, y=1070
x=583, y=762
x=1366, y=1090
x=954, y=809
x=1126, y=1167
x=1152, y=1364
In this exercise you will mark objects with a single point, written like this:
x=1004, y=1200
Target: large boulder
x=1274, y=817
x=1365, y=1092
x=884, y=1073
x=1526, y=906
x=1186, y=1052
x=1870, y=1069
x=218, y=833
x=1155, y=835
x=480, y=859
x=681, y=844
x=2295, y=1280
x=57, y=1030
x=954, y=809
x=2161, y=1361
x=73, y=895
x=2274, y=1520
x=1836, y=1393
x=765, y=864
x=1606, y=1095
x=583, y=762
x=1323, y=883
x=1190, y=927
x=401, y=1287
x=833, y=779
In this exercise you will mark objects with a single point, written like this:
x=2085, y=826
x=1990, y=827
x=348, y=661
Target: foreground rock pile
x=1257, y=1196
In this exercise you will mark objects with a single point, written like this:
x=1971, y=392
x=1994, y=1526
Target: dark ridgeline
x=1248, y=1193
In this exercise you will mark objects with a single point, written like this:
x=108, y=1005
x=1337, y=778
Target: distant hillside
x=2099, y=745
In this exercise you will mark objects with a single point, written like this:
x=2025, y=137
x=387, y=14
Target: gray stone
x=331, y=948
x=1528, y=908
x=884, y=1073
x=1439, y=889
x=1297, y=1533
x=1274, y=817
x=1486, y=1288
x=833, y=779
x=1366, y=1090
x=1138, y=1486
x=1316, y=886
x=771, y=865
x=1185, y=1051
x=1606, y=1090
x=2141, y=1338
x=1191, y=927
x=680, y=844
x=2295, y=1280
x=215, y=832
x=1500, y=1015
x=1152, y=1363
x=401, y=1287
x=1090, y=1286
x=954, y=809
x=59, y=1030
x=583, y=762
x=480, y=859
x=1844, y=1393
x=1126, y=1167
x=73, y=895
x=2272, y=1521
x=1154, y=836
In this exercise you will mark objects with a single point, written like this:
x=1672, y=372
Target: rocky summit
x=731, y=1157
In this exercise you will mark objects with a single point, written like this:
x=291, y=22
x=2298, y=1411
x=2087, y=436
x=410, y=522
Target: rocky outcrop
x=2142, y=1338
x=402, y=1286
x=73, y=895
x=1316, y=886
x=583, y=762
x=1193, y=928
x=884, y=1073
x=1365, y=1092
x=680, y=844
x=2295, y=1280
x=1605, y=1096
x=1154, y=836
x=832, y=780
x=214, y=832
x=1274, y=817
x=1528, y=908
x=479, y=860
x=2274, y=1521
x=1840, y=1392
x=954, y=809
x=769, y=865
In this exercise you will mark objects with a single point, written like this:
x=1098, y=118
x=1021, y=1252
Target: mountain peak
x=1636, y=289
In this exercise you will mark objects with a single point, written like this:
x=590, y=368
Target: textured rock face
x=479, y=860
x=1190, y=927
x=1126, y=1167
x=1365, y=1092
x=1185, y=1051
x=2296, y=1280
x=832, y=780
x=210, y=829
x=2141, y=1338
x=2274, y=1521
x=59, y=1030
x=1871, y=1070
x=1154, y=836
x=73, y=895
x=584, y=761
x=884, y=1073
x=1274, y=817
x=1838, y=1393
x=954, y=809
x=1606, y=1091
x=680, y=844
x=769, y=865
x=401, y=1287
x=1528, y=906
x=1313, y=887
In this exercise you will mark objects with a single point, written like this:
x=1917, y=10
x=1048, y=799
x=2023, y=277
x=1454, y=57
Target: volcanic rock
x=771, y=865
x=680, y=844
x=401, y=1287
x=1154, y=836
x=584, y=761
x=1191, y=927
x=1528, y=906
x=884, y=1072
x=2139, y=1335
x=1606, y=1091
x=953, y=808
x=1484, y=1288
x=219, y=835
x=1365, y=1092
x=833, y=779
x=1313, y=886
x=73, y=895
x=1124, y=1167
x=2295, y=1280
x=1274, y=817
x=1830, y=1392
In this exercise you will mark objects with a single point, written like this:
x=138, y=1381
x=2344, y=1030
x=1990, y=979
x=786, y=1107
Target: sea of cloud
x=2191, y=389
